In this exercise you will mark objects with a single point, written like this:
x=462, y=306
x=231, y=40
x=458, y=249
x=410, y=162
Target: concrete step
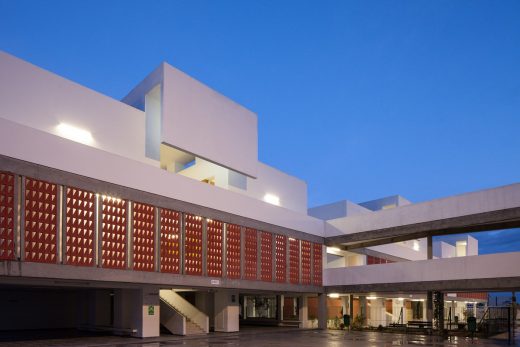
x=193, y=329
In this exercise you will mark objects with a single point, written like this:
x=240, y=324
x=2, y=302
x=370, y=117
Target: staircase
x=180, y=317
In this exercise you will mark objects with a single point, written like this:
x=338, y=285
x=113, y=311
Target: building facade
x=153, y=210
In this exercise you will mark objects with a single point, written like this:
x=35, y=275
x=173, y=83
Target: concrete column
x=439, y=298
x=351, y=306
x=344, y=304
x=204, y=247
x=303, y=311
x=322, y=311
x=138, y=309
x=226, y=310
x=377, y=312
x=98, y=308
x=363, y=309
x=429, y=253
x=429, y=306
x=129, y=235
x=279, y=308
x=205, y=302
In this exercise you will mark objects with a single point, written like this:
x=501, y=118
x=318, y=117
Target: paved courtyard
x=266, y=338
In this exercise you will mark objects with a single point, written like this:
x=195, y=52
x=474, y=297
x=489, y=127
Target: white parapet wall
x=56, y=152
x=489, y=266
x=483, y=201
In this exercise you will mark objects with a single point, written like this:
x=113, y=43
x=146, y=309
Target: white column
x=226, y=311
x=138, y=309
x=303, y=311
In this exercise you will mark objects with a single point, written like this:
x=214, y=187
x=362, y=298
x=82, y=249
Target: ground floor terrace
x=403, y=309
x=260, y=337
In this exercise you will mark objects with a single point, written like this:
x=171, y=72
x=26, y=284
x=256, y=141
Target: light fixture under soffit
x=334, y=295
x=74, y=133
x=272, y=199
x=333, y=249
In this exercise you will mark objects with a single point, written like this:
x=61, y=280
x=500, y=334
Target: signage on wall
x=215, y=282
x=151, y=310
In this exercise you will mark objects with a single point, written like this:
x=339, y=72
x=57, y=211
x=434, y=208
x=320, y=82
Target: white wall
x=403, y=251
x=454, y=206
x=292, y=191
x=40, y=99
x=201, y=121
x=442, y=249
x=472, y=267
x=226, y=311
x=90, y=162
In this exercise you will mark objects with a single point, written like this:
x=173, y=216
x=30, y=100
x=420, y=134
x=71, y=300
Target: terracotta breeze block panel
x=193, y=245
x=215, y=233
x=266, y=256
x=143, y=236
x=80, y=226
x=233, y=251
x=6, y=216
x=113, y=240
x=40, y=221
x=250, y=254
x=294, y=261
x=281, y=258
x=170, y=241
x=318, y=264
x=306, y=262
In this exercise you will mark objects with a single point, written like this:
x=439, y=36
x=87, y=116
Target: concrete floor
x=265, y=338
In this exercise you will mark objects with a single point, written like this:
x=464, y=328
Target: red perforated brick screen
x=170, y=245
x=233, y=250
x=266, y=256
x=318, y=264
x=6, y=216
x=306, y=262
x=79, y=226
x=281, y=258
x=193, y=245
x=40, y=221
x=143, y=237
x=113, y=240
x=250, y=254
x=214, y=257
x=294, y=261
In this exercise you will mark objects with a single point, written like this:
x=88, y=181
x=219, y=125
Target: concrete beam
x=495, y=220
x=17, y=272
x=484, y=272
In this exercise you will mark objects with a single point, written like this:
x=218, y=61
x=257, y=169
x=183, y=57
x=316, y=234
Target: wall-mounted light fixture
x=272, y=199
x=74, y=133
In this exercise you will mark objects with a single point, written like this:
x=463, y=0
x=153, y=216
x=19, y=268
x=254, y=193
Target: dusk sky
x=361, y=99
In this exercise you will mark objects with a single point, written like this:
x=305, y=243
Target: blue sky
x=361, y=99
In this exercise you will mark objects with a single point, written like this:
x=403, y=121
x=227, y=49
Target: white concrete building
x=125, y=215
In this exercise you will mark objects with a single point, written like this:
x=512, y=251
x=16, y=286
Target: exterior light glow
x=371, y=297
x=333, y=249
x=272, y=199
x=416, y=245
x=400, y=299
x=334, y=295
x=75, y=134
